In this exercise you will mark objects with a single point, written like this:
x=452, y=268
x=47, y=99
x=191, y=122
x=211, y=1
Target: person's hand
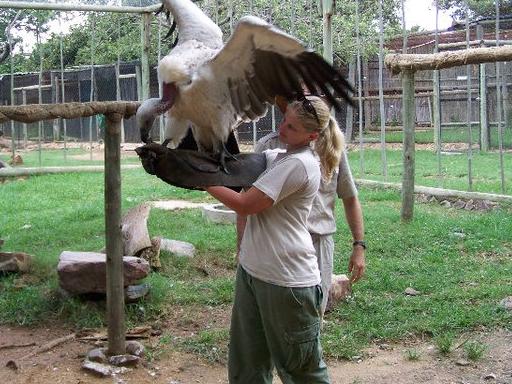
x=357, y=264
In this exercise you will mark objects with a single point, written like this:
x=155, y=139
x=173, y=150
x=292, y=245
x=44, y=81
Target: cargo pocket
x=303, y=350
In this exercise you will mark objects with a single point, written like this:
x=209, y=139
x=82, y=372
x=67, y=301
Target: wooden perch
x=38, y=112
x=397, y=63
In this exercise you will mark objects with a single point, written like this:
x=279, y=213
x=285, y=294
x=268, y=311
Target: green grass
x=454, y=169
x=474, y=350
x=461, y=280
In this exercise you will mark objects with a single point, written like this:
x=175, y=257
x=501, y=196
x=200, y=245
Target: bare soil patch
x=384, y=363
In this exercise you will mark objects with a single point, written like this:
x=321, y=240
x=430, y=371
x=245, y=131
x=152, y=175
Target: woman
x=276, y=313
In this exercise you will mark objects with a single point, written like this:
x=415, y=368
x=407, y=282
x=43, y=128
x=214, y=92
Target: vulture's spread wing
x=260, y=61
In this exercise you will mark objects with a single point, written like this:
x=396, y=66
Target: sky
x=423, y=13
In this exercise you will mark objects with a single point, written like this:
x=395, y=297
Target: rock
x=445, y=203
x=219, y=214
x=97, y=355
x=462, y=362
x=99, y=369
x=506, y=303
x=124, y=360
x=135, y=348
x=409, y=291
x=15, y=262
x=459, y=204
x=339, y=291
x=133, y=293
x=3, y=164
x=179, y=248
x=490, y=376
x=85, y=272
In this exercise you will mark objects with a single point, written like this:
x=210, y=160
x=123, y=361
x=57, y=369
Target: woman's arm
x=248, y=203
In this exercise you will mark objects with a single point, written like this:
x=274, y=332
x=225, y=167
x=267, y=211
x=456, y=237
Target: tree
x=477, y=8
x=32, y=21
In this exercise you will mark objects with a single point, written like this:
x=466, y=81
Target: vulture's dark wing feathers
x=260, y=61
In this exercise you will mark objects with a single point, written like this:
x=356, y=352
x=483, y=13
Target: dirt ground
x=385, y=363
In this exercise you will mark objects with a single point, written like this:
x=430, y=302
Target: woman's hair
x=315, y=115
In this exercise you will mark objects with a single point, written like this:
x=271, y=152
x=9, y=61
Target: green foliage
x=412, y=354
x=444, y=342
x=118, y=35
x=477, y=8
x=474, y=350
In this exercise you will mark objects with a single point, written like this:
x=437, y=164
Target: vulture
x=212, y=87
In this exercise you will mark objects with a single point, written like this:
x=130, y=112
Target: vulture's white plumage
x=213, y=87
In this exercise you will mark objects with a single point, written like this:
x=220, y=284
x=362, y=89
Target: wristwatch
x=359, y=242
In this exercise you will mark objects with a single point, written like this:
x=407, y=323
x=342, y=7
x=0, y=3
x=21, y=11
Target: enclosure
x=456, y=254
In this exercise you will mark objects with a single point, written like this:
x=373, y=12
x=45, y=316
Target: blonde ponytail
x=330, y=142
x=329, y=147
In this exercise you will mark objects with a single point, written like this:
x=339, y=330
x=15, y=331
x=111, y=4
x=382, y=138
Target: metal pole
x=436, y=101
x=327, y=10
x=13, y=142
x=115, y=286
x=484, y=124
x=381, y=94
x=359, y=93
x=498, y=101
x=408, y=117
x=63, y=97
x=91, y=94
x=76, y=7
x=40, y=100
x=468, y=107
x=146, y=44
x=161, y=118
x=25, y=133
x=118, y=74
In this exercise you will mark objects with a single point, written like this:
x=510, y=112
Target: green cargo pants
x=273, y=326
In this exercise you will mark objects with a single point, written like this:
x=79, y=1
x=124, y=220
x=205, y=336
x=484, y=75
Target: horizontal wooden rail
x=38, y=112
x=438, y=192
x=32, y=171
x=399, y=62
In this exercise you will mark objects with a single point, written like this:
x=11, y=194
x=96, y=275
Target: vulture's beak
x=151, y=108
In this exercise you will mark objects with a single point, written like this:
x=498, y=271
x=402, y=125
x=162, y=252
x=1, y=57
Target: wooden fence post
x=408, y=117
x=115, y=286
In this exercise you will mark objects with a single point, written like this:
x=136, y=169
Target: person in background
x=276, y=318
x=322, y=219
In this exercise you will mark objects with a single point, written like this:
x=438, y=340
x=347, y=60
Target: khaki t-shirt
x=321, y=220
x=276, y=245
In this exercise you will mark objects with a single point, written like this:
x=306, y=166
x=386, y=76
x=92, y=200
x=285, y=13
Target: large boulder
x=86, y=272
